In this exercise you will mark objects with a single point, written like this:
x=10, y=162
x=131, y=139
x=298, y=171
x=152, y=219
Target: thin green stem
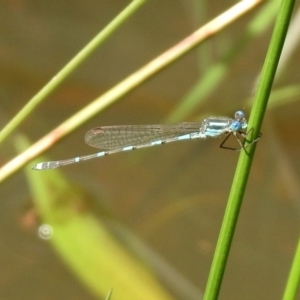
x=244, y=164
x=60, y=77
x=293, y=282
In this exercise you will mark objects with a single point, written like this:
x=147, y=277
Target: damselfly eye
x=239, y=115
x=235, y=126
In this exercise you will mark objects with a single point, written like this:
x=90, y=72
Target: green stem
x=244, y=164
x=59, y=78
x=292, y=285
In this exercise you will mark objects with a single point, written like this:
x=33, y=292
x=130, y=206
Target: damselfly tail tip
x=38, y=166
x=45, y=165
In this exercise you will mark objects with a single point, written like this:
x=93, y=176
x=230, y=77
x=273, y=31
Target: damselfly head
x=240, y=117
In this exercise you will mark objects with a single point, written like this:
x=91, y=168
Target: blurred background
x=169, y=199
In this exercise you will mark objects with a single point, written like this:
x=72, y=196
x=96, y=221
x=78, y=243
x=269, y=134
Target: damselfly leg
x=237, y=135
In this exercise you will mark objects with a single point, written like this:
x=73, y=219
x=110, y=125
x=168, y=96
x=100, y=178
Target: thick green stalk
x=244, y=164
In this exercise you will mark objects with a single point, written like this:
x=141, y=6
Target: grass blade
x=61, y=76
x=244, y=164
x=292, y=286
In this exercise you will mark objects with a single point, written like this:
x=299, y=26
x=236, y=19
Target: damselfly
x=113, y=139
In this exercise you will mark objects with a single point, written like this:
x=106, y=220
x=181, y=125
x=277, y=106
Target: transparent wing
x=115, y=137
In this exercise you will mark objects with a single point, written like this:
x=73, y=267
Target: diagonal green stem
x=244, y=164
x=59, y=78
x=293, y=282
